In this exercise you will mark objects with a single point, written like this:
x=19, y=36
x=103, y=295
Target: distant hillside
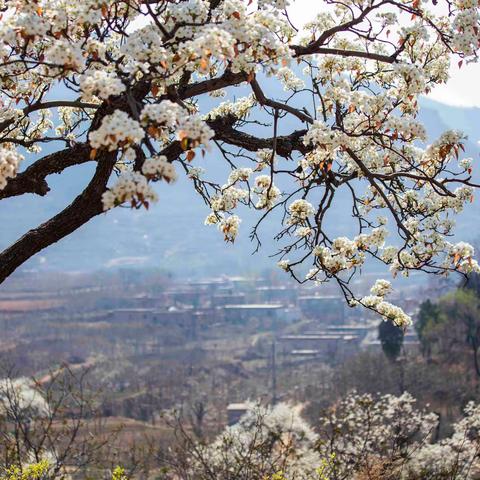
x=172, y=235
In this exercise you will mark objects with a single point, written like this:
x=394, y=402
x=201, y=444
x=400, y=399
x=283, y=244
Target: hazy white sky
x=462, y=90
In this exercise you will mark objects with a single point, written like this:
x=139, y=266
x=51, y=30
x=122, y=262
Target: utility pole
x=274, y=374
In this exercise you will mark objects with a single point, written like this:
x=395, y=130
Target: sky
x=463, y=88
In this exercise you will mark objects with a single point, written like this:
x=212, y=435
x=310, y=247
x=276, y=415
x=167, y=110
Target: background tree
x=362, y=436
x=445, y=328
x=462, y=314
x=119, y=83
x=391, y=338
x=56, y=419
x=428, y=318
x=472, y=283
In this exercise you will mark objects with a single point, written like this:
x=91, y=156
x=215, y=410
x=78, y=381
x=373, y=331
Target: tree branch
x=226, y=80
x=32, y=180
x=46, y=105
x=299, y=51
x=263, y=100
x=371, y=179
x=286, y=144
x=86, y=206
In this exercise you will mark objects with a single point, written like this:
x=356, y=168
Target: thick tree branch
x=33, y=179
x=226, y=80
x=313, y=46
x=299, y=51
x=285, y=145
x=86, y=206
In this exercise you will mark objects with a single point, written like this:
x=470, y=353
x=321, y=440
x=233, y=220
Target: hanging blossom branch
x=131, y=73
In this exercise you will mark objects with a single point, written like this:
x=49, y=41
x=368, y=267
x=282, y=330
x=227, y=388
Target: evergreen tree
x=391, y=338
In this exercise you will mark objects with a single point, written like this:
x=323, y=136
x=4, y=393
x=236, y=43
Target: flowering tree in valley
x=118, y=83
x=359, y=437
x=55, y=421
x=266, y=441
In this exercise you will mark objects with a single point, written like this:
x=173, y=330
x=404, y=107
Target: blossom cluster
x=299, y=211
x=101, y=84
x=289, y=80
x=344, y=254
x=466, y=24
x=267, y=193
x=413, y=78
x=9, y=162
x=165, y=114
x=163, y=118
x=229, y=227
x=381, y=288
x=131, y=187
x=461, y=256
x=195, y=131
x=228, y=198
x=231, y=195
x=352, y=438
x=117, y=130
x=388, y=311
x=239, y=109
x=65, y=56
x=158, y=168
x=239, y=174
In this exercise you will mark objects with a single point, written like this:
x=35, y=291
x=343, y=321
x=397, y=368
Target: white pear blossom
x=165, y=114
x=9, y=162
x=195, y=131
x=65, y=55
x=159, y=167
x=381, y=288
x=239, y=174
x=101, y=84
x=117, y=130
x=284, y=264
x=229, y=227
x=299, y=211
x=131, y=187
